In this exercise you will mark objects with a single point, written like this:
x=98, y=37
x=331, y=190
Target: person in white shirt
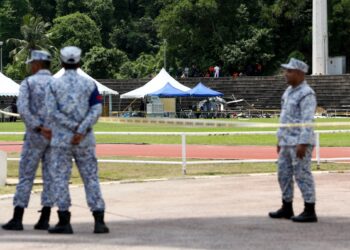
x=216, y=71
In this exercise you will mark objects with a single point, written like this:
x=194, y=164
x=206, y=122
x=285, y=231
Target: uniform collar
x=44, y=72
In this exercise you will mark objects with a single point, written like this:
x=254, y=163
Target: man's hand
x=46, y=132
x=278, y=149
x=301, y=150
x=77, y=138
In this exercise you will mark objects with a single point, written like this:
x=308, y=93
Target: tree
x=144, y=66
x=135, y=37
x=75, y=29
x=202, y=32
x=11, y=15
x=101, y=11
x=103, y=63
x=34, y=36
x=45, y=9
x=251, y=46
x=339, y=34
x=290, y=22
x=65, y=7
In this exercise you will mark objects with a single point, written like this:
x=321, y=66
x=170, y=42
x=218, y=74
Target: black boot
x=308, y=215
x=286, y=211
x=63, y=226
x=43, y=223
x=16, y=222
x=100, y=226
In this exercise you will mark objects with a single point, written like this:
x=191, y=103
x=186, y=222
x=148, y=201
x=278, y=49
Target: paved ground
x=193, y=151
x=211, y=213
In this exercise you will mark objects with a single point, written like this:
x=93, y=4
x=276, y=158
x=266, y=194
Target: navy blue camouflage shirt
x=298, y=106
x=74, y=106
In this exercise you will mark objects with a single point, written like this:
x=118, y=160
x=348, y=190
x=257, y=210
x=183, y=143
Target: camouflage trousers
x=31, y=155
x=289, y=166
x=85, y=159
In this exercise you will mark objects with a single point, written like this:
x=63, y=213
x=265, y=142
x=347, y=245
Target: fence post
x=3, y=168
x=318, y=157
x=183, y=139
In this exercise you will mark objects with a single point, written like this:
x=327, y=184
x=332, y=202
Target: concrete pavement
x=203, y=213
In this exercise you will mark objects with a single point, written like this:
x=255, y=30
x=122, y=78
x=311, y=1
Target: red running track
x=193, y=151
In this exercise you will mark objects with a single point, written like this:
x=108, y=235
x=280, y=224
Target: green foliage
x=103, y=63
x=65, y=7
x=142, y=67
x=34, y=36
x=339, y=27
x=17, y=70
x=296, y=54
x=11, y=14
x=233, y=34
x=75, y=29
x=46, y=9
x=135, y=37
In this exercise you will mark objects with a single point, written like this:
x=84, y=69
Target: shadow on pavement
x=194, y=233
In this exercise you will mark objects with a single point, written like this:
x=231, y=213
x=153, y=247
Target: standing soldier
x=74, y=105
x=31, y=107
x=295, y=144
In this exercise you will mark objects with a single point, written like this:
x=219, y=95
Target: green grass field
x=330, y=140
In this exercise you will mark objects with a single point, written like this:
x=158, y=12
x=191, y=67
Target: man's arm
x=95, y=110
x=31, y=120
x=308, y=108
x=54, y=113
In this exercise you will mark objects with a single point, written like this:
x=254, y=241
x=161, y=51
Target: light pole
x=319, y=37
x=1, y=43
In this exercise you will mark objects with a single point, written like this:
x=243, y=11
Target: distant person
x=216, y=71
x=32, y=108
x=295, y=144
x=74, y=106
x=211, y=71
x=13, y=110
x=194, y=71
x=186, y=72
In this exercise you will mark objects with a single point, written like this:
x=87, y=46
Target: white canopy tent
x=155, y=84
x=101, y=88
x=8, y=87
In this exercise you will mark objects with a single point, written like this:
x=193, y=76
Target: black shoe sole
x=12, y=229
x=60, y=230
x=281, y=217
x=305, y=221
x=41, y=227
x=106, y=231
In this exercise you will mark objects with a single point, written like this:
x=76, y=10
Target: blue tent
x=200, y=90
x=169, y=91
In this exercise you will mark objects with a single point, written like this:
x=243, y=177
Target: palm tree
x=34, y=35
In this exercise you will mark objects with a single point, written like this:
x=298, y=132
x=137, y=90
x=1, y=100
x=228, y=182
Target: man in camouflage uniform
x=295, y=144
x=74, y=105
x=31, y=107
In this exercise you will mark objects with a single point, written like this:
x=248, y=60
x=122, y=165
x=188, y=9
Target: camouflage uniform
x=74, y=106
x=31, y=107
x=298, y=106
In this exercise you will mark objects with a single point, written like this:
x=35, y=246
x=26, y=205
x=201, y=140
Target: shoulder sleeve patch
x=95, y=97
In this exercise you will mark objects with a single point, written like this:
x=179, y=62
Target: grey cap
x=39, y=55
x=296, y=64
x=70, y=55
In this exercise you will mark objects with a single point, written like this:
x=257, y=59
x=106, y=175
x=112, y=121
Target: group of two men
x=59, y=115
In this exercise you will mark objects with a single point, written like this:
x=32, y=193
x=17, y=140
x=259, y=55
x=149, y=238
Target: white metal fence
x=184, y=161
